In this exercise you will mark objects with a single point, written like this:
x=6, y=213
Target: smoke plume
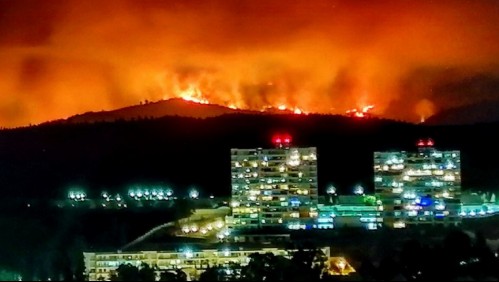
x=59, y=58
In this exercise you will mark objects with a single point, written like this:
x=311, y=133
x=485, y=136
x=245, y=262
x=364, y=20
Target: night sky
x=408, y=58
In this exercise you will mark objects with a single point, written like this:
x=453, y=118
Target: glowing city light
x=193, y=194
x=358, y=190
x=331, y=190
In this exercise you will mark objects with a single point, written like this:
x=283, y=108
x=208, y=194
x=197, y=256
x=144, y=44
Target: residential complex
x=421, y=187
x=192, y=259
x=274, y=187
x=277, y=187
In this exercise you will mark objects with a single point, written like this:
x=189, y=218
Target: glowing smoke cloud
x=60, y=58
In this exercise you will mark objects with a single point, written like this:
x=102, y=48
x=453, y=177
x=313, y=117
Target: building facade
x=362, y=211
x=274, y=187
x=193, y=260
x=421, y=187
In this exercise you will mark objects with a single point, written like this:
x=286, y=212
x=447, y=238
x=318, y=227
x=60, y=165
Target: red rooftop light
x=426, y=143
x=281, y=138
x=430, y=142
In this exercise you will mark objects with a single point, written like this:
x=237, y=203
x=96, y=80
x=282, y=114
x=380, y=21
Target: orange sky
x=409, y=58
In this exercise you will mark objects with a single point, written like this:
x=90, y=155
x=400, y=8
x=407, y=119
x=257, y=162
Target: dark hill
x=171, y=107
x=487, y=111
x=46, y=160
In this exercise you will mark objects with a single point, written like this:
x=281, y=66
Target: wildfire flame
x=297, y=111
x=360, y=113
x=193, y=94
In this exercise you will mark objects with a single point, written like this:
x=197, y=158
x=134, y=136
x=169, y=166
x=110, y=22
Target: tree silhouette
x=146, y=273
x=126, y=272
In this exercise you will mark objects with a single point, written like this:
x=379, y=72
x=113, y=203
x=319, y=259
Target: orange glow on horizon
x=411, y=58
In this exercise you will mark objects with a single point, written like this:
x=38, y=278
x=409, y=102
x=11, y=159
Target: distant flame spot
x=364, y=113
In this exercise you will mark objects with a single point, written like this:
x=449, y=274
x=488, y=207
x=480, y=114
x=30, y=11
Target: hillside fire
x=360, y=113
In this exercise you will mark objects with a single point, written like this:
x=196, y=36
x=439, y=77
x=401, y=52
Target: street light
x=358, y=190
x=169, y=192
x=331, y=190
x=194, y=194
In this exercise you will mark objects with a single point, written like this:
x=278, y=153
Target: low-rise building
x=192, y=259
x=350, y=211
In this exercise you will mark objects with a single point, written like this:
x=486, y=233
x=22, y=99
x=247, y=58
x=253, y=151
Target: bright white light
x=399, y=224
x=104, y=195
x=203, y=231
x=409, y=195
x=226, y=253
x=294, y=158
x=440, y=207
x=194, y=228
x=188, y=254
x=397, y=190
x=169, y=192
x=358, y=190
x=186, y=229
x=445, y=194
x=132, y=194
x=397, y=166
x=449, y=177
x=331, y=190
x=194, y=194
x=219, y=224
